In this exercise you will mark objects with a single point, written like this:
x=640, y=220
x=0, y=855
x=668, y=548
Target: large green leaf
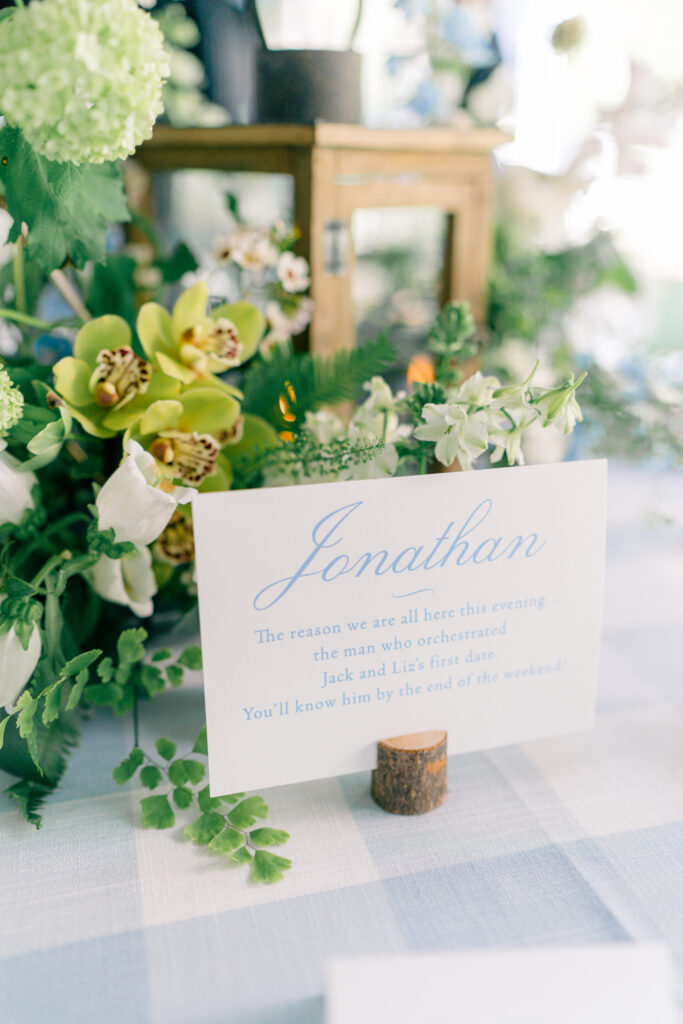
x=67, y=208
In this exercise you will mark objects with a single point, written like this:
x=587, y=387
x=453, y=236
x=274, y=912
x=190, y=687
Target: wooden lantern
x=340, y=168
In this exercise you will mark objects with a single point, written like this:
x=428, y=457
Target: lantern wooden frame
x=341, y=168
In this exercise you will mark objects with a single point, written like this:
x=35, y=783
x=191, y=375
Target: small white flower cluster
x=252, y=249
x=285, y=325
x=478, y=414
x=259, y=252
x=481, y=412
x=293, y=273
x=376, y=420
x=82, y=78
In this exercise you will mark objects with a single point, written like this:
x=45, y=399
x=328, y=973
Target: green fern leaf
x=285, y=387
x=29, y=797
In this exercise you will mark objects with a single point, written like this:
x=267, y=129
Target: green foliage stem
x=225, y=825
x=36, y=737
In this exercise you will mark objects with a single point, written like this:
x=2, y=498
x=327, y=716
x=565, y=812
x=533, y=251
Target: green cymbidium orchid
x=220, y=479
x=191, y=345
x=105, y=384
x=256, y=438
x=185, y=434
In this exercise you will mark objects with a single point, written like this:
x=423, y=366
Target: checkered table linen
x=570, y=840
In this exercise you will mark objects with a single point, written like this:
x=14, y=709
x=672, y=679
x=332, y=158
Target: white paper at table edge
x=369, y=977
x=300, y=491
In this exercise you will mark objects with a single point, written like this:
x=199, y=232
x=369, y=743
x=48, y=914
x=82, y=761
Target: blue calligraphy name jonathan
x=447, y=549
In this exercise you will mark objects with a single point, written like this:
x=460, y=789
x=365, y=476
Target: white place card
x=610, y=984
x=335, y=615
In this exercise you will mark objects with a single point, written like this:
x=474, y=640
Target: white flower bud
x=128, y=581
x=559, y=406
x=15, y=488
x=131, y=502
x=16, y=664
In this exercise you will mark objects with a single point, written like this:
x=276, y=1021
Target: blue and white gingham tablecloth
x=571, y=840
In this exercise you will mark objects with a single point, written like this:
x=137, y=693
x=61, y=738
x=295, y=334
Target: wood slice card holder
x=411, y=773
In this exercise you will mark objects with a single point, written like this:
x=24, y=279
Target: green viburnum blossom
x=82, y=79
x=185, y=435
x=105, y=384
x=191, y=345
x=11, y=403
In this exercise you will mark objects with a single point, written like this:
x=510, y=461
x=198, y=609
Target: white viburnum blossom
x=15, y=488
x=82, y=78
x=293, y=272
x=559, y=406
x=17, y=663
x=11, y=403
x=456, y=435
x=128, y=580
x=137, y=501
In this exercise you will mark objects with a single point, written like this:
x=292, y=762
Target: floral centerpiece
x=103, y=449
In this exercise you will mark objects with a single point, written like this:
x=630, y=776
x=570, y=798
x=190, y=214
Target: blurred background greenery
x=587, y=261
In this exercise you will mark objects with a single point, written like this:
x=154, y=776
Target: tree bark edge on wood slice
x=411, y=773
